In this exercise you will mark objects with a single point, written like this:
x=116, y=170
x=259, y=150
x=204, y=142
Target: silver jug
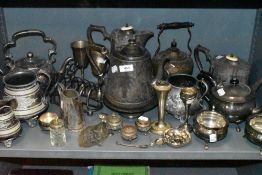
x=72, y=108
x=174, y=104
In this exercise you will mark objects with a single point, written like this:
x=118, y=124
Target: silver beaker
x=72, y=108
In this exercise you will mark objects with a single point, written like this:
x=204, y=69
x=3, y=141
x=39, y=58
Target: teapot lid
x=173, y=53
x=30, y=62
x=232, y=92
x=133, y=51
x=232, y=57
x=127, y=27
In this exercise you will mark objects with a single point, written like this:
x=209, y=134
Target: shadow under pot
x=174, y=104
x=210, y=126
x=235, y=100
x=253, y=130
x=23, y=85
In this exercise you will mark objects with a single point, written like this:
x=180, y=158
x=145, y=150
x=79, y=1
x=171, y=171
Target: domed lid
x=128, y=130
x=114, y=120
x=133, y=51
x=231, y=60
x=56, y=124
x=232, y=92
x=30, y=62
x=232, y=57
x=174, y=53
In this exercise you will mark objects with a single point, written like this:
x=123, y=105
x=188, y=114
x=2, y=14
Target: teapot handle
x=206, y=88
x=96, y=28
x=41, y=72
x=205, y=51
x=257, y=84
x=174, y=25
x=26, y=33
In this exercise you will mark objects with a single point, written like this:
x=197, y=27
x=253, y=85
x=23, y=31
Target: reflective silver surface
x=256, y=123
x=177, y=137
x=211, y=119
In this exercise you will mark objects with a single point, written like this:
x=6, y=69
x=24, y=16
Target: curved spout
x=142, y=37
x=160, y=70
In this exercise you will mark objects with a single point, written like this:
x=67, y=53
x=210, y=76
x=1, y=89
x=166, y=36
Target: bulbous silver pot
x=210, y=126
x=253, y=130
x=31, y=61
x=24, y=86
x=10, y=127
x=174, y=104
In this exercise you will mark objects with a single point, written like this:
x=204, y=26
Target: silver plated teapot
x=222, y=67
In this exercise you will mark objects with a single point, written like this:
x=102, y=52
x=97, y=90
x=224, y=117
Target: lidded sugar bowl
x=10, y=127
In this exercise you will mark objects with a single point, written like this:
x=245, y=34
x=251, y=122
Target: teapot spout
x=161, y=74
x=143, y=37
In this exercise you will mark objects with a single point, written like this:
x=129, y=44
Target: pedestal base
x=160, y=128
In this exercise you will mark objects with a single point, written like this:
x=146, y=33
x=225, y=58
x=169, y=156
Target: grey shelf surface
x=34, y=143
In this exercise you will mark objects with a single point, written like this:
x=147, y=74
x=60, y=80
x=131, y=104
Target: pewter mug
x=72, y=108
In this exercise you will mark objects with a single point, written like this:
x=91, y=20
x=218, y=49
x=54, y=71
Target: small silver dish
x=177, y=137
x=45, y=119
x=210, y=126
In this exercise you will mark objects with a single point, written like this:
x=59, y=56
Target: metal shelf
x=35, y=143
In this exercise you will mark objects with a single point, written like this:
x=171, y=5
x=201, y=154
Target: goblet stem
x=82, y=73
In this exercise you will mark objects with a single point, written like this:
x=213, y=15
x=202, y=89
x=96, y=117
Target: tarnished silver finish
x=178, y=137
x=210, y=126
x=10, y=126
x=31, y=62
x=253, y=129
x=114, y=122
x=180, y=62
x=235, y=100
x=93, y=135
x=128, y=132
x=223, y=67
x=25, y=88
x=72, y=108
x=143, y=123
x=174, y=104
x=80, y=55
x=128, y=87
x=162, y=88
